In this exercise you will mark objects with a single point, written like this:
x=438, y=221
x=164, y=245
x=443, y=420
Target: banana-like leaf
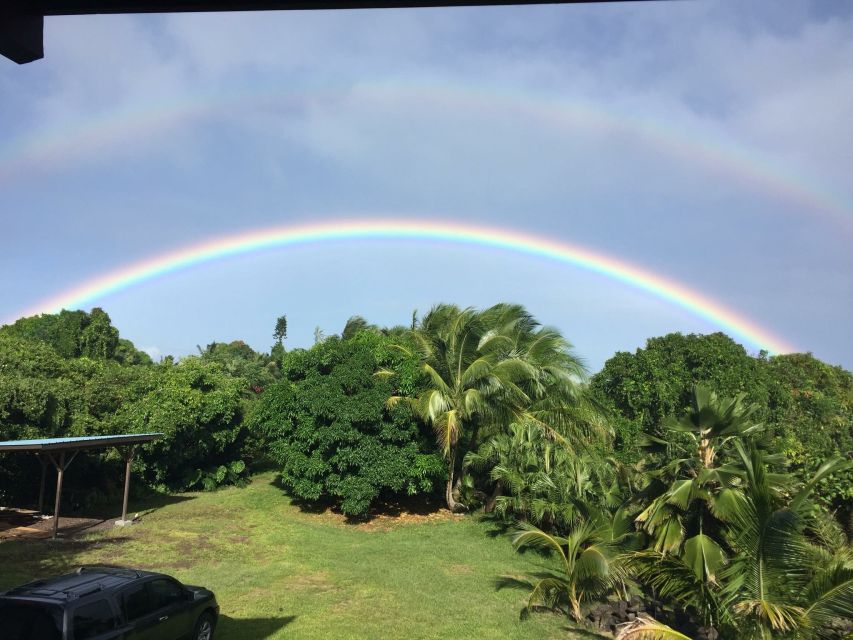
x=704, y=556
x=681, y=493
x=727, y=503
x=668, y=537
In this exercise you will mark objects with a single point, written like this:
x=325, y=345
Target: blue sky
x=138, y=135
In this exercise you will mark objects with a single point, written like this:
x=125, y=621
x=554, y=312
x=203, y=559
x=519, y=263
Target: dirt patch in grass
x=383, y=516
x=383, y=522
x=16, y=524
x=459, y=569
x=313, y=582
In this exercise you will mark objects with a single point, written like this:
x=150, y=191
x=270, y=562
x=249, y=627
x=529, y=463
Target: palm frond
x=645, y=628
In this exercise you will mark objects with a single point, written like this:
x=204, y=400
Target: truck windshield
x=23, y=620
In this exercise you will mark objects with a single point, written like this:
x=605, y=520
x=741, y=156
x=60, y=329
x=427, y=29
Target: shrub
x=330, y=432
x=198, y=409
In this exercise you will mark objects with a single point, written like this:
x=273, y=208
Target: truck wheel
x=204, y=627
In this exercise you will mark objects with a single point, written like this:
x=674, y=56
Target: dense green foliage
x=196, y=404
x=331, y=433
x=714, y=485
x=644, y=388
x=806, y=405
x=45, y=395
x=812, y=420
x=197, y=408
x=239, y=360
x=75, y=334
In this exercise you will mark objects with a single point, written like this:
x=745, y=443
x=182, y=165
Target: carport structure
x=62, y=451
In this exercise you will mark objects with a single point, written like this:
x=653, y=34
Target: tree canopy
x=329, y=429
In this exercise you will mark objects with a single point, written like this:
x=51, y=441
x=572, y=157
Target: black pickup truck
x=108, y=603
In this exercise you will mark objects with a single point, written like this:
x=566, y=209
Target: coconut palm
x=485, y=370
x=590, y=564
x=462, y=381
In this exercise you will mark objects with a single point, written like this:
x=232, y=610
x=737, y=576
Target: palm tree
x=645, y=628
x=461, y=380
x=486, y=370
x=356, y=324
x=780, y=582
x=785, y=577
x=693, y=489
x=590, y=564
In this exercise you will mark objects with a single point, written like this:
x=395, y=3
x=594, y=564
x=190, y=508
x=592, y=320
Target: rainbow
x=490, y=237
x=705, y=147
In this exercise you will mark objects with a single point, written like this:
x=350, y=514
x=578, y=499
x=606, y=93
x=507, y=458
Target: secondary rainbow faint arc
x=511, y=240
x=695, y=146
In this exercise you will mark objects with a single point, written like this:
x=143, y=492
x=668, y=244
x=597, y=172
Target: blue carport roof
x=83, y=442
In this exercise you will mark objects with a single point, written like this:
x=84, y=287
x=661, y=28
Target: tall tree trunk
x=451, y=472
x=453, y=481
x=706, y=451
x=475, y=434
x=498, y=492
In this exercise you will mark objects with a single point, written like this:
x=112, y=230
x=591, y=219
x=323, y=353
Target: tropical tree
x=356, y=324
x=790, y=573
x=280, y=332
x=645, y=387
x=486, y=369
x=780, y=581
x=540, y=479
x=327, y=427
x=692, y=491
x=461, y=380
x=590, y=563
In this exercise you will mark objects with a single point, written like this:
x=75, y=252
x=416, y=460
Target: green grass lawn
x=279, y=572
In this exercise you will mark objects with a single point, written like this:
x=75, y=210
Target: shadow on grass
x=27, y=560
x=250, y=628
x=498, y=526
x=144, y=505
x=76, y=521
x=392, y=507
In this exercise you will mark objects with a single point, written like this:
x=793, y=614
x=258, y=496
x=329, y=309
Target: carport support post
x=60, y=470
x=128, y=459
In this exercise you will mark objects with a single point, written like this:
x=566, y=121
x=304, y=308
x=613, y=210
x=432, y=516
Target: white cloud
x=328, y=139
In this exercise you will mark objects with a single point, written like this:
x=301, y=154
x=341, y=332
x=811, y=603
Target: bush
x=198, y=409
x=331, y=433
